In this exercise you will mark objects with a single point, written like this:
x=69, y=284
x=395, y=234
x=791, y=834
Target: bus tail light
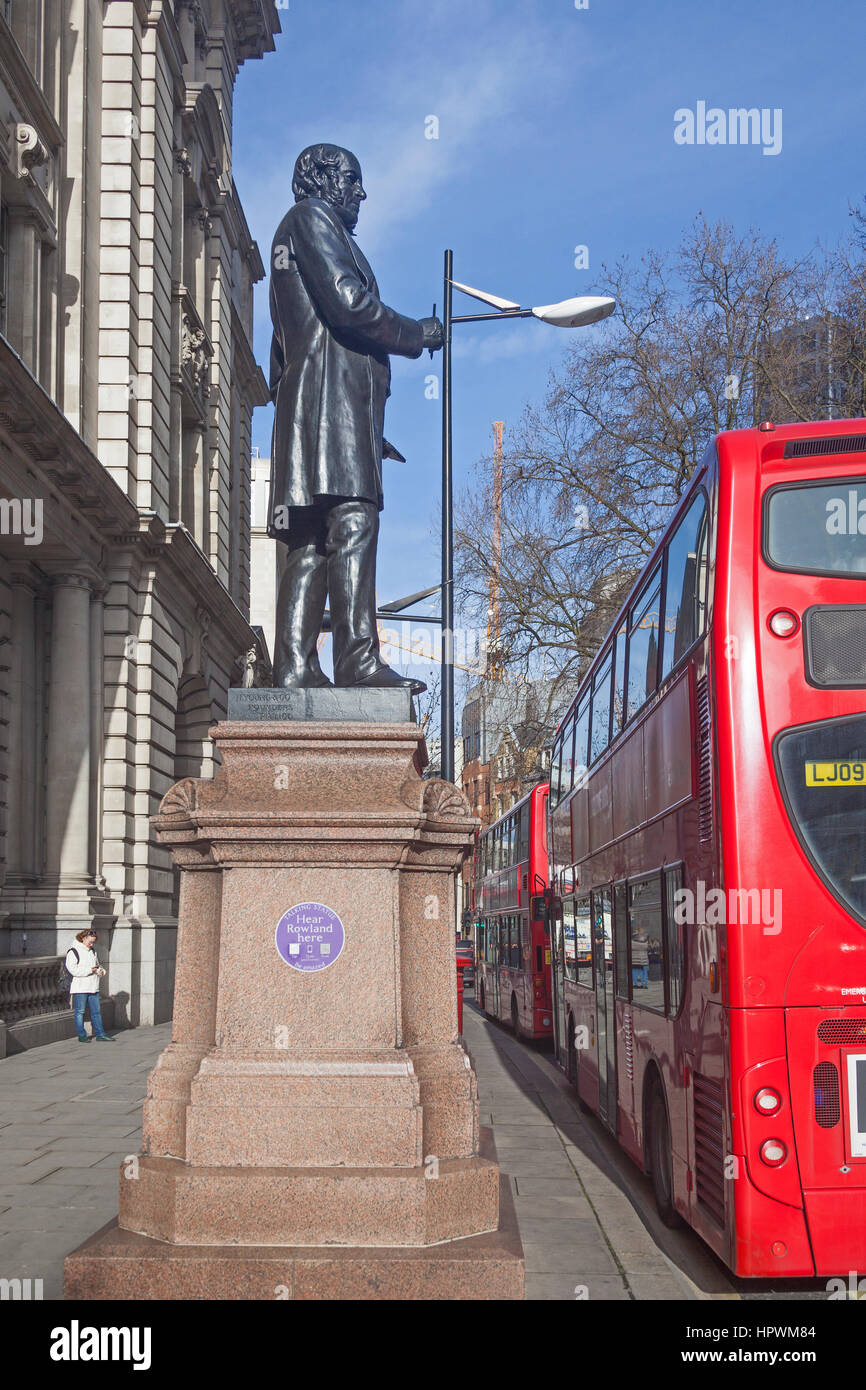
x=773, y=1153
x=783, y=623
x=768, y=1101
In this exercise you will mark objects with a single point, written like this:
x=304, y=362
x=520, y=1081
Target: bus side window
x=620, y=941
x=556, y=773
x=558, y=958
x=645, y=915
x=618, y=713
x=523, y=835
x=643, y=646
x=570, y=970
x=684, y=605
x=674, y=941
x=583, y=939
x=600, y=736
x=581, y=750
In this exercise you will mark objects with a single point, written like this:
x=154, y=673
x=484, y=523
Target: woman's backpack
x=64, y=977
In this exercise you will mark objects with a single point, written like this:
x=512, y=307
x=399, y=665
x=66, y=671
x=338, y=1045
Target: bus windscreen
x=822, y=769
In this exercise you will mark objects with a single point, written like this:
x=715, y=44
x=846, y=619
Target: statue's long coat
x=330, y=375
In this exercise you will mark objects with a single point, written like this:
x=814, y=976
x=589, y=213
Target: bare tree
x=703, y=340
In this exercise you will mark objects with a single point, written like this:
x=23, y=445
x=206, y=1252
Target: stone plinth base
x=116, y=1264
x=312, y=1130
x=182, y=1204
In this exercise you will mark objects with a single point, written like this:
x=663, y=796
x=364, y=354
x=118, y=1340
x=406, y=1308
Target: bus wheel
x=659, y=1149
x=515, y=1017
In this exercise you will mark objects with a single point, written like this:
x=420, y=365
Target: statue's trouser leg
x=301, y=601
x=352, y=535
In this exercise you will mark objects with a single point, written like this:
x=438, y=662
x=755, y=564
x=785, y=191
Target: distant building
x=812, y=370
x=506, y=733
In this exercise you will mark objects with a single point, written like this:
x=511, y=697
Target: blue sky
x=556, y=129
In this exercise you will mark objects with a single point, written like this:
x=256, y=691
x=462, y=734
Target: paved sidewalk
x=581, y=1234
x=68, y=1118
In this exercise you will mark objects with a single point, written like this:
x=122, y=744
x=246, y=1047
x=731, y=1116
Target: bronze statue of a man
x=330, y=378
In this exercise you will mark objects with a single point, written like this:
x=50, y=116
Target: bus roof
x=538, y=790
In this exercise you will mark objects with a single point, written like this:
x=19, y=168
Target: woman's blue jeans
x=79, y=1003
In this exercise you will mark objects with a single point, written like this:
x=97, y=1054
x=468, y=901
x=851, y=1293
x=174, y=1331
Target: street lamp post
x=446, y=756
x=568, y=313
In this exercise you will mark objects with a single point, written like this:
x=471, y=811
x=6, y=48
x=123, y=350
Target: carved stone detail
x=435, y=798
x=181, y=799
x=183, y=161
x=195, y=355
x=29, y=150
x=444, y=800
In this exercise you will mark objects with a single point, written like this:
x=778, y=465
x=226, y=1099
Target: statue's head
x=333, y=174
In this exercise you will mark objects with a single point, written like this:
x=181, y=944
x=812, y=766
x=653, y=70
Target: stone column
x=68, y=742
x=20, y=848
x=97, y=728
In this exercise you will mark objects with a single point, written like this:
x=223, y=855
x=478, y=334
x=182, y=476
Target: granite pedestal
x=312, y=1130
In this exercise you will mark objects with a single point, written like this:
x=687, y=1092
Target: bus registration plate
x=838, y=774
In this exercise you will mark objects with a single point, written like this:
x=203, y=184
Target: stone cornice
x=247, y=247
x=185, y=570
x=193, y=573
x=252, y=378
x=254, y=26
x=56, y=449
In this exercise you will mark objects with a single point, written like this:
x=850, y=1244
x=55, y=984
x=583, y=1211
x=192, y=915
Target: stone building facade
x=127, y=385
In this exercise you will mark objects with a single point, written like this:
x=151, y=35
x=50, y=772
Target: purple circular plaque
x=310, y=936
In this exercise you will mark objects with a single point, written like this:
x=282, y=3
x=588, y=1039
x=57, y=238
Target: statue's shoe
x=303, y=682
x=386, y=679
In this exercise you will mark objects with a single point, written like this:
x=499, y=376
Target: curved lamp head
x=576, y=313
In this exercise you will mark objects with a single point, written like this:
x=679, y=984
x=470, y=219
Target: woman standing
x=86, y=972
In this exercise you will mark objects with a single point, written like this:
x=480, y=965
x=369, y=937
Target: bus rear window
x=817, y=528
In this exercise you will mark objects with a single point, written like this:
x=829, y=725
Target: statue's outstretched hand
x=434, y=333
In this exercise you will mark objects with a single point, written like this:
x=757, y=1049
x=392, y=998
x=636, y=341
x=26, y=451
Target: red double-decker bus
x=708, y=856
x=512, y=968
